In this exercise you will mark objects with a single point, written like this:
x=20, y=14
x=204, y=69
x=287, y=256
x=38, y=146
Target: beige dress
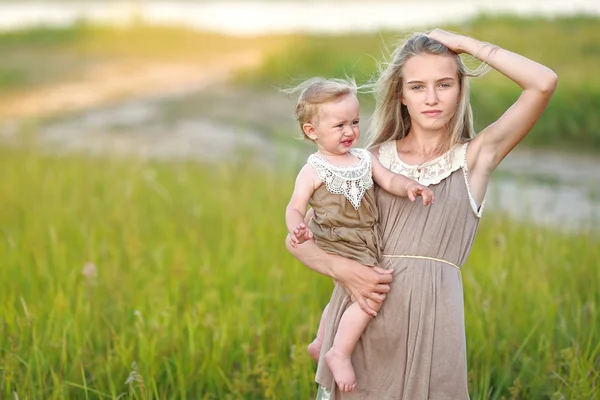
x=415, y=348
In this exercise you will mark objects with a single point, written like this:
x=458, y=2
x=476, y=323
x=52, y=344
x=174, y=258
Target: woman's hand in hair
x=451, y=40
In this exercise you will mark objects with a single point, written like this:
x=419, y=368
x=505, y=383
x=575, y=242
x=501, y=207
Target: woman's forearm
x=526, y=73
x=311, y=255
x=361, y=281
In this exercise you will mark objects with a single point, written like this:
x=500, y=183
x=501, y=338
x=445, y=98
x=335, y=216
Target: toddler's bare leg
x=314, y=349
x=339, y=357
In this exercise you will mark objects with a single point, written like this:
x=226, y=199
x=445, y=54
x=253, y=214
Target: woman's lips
x=432, y=113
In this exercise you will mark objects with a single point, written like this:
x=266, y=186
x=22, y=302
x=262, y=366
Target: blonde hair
x=317, y=91
x=391, y=120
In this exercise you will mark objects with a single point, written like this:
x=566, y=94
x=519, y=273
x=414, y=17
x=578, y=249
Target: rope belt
x=423, y=258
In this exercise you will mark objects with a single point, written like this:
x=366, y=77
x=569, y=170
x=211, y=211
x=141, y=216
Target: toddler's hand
x=414, y=190
x=300, y=234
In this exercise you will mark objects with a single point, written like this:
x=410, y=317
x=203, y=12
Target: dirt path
x=113, y=81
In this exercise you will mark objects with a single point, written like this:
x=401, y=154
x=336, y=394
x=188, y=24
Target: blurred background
x=147, y=155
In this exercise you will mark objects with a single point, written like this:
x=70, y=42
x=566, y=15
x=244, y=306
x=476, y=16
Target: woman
x=422, y=127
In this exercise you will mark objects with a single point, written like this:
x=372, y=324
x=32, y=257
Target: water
x=569, y=207
x=263, y=17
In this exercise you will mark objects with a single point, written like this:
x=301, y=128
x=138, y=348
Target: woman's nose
x=432, y=97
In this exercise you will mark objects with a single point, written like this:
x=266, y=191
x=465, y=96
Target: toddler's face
x=337, y=128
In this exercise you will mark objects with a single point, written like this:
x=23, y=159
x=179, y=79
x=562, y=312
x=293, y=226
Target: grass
x=125, y=278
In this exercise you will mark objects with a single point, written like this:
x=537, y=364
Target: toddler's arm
x=301, y=232
x=295, y=212
x=398, y=184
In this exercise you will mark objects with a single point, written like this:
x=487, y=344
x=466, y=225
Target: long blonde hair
x=391, y=120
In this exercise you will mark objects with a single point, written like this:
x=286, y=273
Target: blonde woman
x=422, y=127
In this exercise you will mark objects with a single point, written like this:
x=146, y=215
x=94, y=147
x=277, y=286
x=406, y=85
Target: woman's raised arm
x=537, y=81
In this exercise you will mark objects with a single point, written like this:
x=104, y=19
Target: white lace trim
x=428, y=173
x=431, y=172
x=351, y=181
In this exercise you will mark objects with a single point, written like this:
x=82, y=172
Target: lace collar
x=430, y=172
x=352, y=181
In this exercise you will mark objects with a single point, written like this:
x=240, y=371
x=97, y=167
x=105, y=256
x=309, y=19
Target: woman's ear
x=309, y=130
x=402, y=99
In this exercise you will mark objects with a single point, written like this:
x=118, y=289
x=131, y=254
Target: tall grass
x=124, y=278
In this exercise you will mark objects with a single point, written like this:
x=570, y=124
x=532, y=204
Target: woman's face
x=430, y=90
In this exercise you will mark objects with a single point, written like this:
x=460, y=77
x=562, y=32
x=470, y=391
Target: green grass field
x=191, y=282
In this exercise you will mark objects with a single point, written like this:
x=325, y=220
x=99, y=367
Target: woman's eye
x=445, y=85
x=416, y=87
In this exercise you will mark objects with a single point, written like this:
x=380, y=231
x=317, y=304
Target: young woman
x=422, y=127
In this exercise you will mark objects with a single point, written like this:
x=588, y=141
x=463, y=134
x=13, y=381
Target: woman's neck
x=424, y=143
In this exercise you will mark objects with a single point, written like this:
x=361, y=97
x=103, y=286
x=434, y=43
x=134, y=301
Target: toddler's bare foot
x=342, y=370
x=314, y=349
